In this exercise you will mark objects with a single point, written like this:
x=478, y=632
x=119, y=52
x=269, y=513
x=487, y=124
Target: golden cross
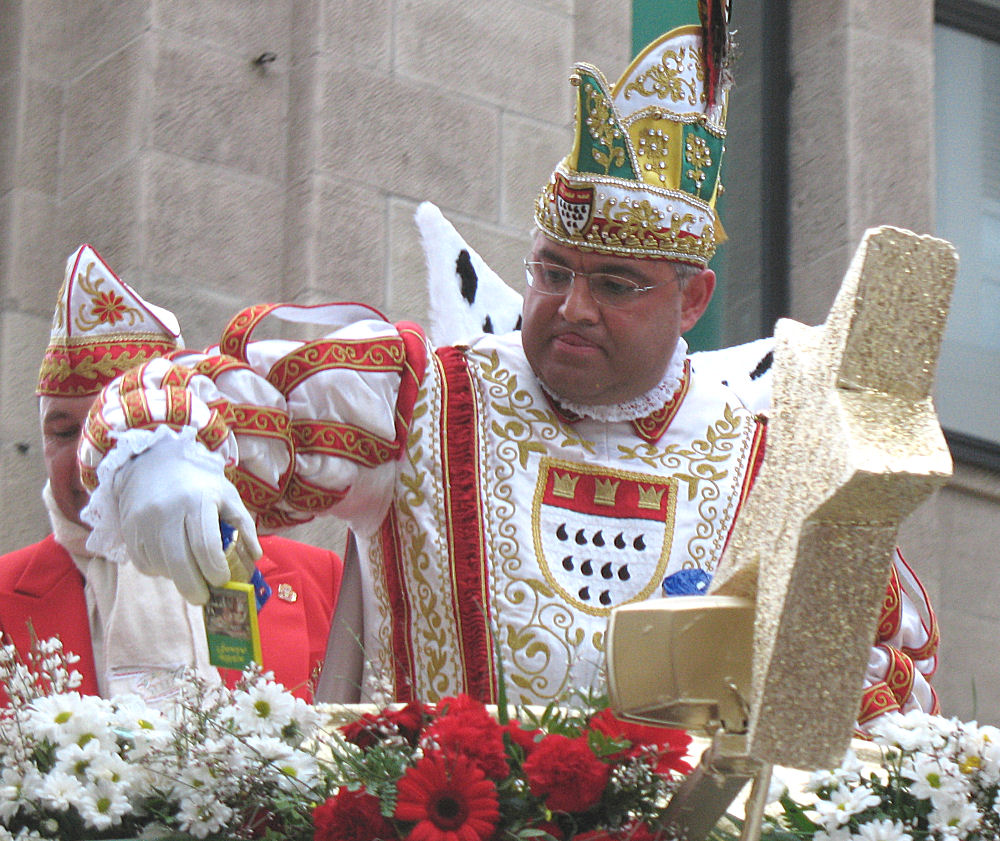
x=853, y=446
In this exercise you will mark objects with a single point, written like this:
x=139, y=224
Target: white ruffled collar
x=638, y=407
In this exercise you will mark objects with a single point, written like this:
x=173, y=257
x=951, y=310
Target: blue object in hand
x=261, y=589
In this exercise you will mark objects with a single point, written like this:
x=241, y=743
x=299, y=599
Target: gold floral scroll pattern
x=215, y=432
x=99, y=362
x=260, y=421
x=434, y=646
x=653, y=148
x=106, y=307
x=254, y=491
x=549, y=634
x=342, y=440
x=698, y=156
x=303, y=495
x=603, y=129
x=179, y=376
x=240, y=327
x=667, y=80
x=214, y=366
x=58, y=317
x=385, y=354
x=640, y=225
x=98, y=434
x=702, y=468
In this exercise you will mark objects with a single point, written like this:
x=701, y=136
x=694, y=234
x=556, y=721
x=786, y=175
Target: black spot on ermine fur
x=763, y=365
x=467, y=275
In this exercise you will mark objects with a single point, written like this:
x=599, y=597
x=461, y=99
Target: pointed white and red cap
x=101, y=327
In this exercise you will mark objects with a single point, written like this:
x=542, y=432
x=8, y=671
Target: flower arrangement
x=937, y=779
x=256, y=762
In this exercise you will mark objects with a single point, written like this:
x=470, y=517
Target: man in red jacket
x=133, y=632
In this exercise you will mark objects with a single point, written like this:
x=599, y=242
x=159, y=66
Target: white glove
x=170, y=501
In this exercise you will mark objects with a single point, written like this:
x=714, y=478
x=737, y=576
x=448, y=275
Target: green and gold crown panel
x=601, y=146
x=644, y=172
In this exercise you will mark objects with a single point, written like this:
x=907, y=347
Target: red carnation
x=630, y=832
x=566, y=773
x=371, y=728
x=465, y=728
x=351, y=816
x=671, y=745
x=449, y=798
x=527, y=740
x=551, y=828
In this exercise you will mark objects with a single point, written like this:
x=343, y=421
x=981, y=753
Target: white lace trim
x=638, y=407
x=102, y=512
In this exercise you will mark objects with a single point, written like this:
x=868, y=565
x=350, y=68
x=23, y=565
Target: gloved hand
x=170, y=502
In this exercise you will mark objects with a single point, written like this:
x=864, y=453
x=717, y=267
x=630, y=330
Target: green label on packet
x=231, y=626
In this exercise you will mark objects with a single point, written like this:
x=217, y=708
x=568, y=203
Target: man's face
x=63, y=419
x=591, y=355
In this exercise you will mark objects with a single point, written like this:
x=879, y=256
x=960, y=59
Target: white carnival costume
x=490, y=520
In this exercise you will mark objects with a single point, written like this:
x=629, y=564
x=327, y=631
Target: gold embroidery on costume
x=106, y=307
x=342, y=440
x=701, y=469
x=434, y=646
x=667, y=81
x=214, y=433
x=385, y=354
x=602, y=129
x=699, y=156
x=95, y=364
x=539, y=628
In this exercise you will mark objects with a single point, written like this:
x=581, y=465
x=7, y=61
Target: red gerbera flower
x=671, y=744
x=449, y=798
x=566, y=773
x=351, y=816
x=466, y=728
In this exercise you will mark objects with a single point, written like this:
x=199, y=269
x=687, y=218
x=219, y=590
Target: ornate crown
x=643, y=176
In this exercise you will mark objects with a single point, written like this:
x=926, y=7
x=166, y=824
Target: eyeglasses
x=609, y=290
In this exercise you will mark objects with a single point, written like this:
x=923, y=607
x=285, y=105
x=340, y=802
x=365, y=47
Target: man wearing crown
x=507, y=493
x=133, y=632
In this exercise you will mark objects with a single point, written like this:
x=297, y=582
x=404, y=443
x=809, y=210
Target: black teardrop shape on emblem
x=605, y=598
x=586, y=567
x=568, y=563
x=619, y=541
x=623, y=573
x=561, y=532
x=639, y=544
x=581, y=538
x=598, y=539
x=584, y=594
x=606, y=571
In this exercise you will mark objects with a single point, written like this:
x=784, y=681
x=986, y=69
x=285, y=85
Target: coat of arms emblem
x=576, y=206
x=602, y=538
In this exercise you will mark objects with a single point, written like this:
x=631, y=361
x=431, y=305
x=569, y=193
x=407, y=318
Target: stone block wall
x=209, y=182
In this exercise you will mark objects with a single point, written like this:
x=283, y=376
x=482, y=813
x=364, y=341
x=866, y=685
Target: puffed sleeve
x=905, y=652
x=300, y=427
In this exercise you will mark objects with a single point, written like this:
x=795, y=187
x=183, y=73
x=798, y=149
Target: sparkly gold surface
x=853, y=447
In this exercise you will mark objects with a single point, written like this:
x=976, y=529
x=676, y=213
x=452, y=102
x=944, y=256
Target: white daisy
x=841, y=804
x=883, y=830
